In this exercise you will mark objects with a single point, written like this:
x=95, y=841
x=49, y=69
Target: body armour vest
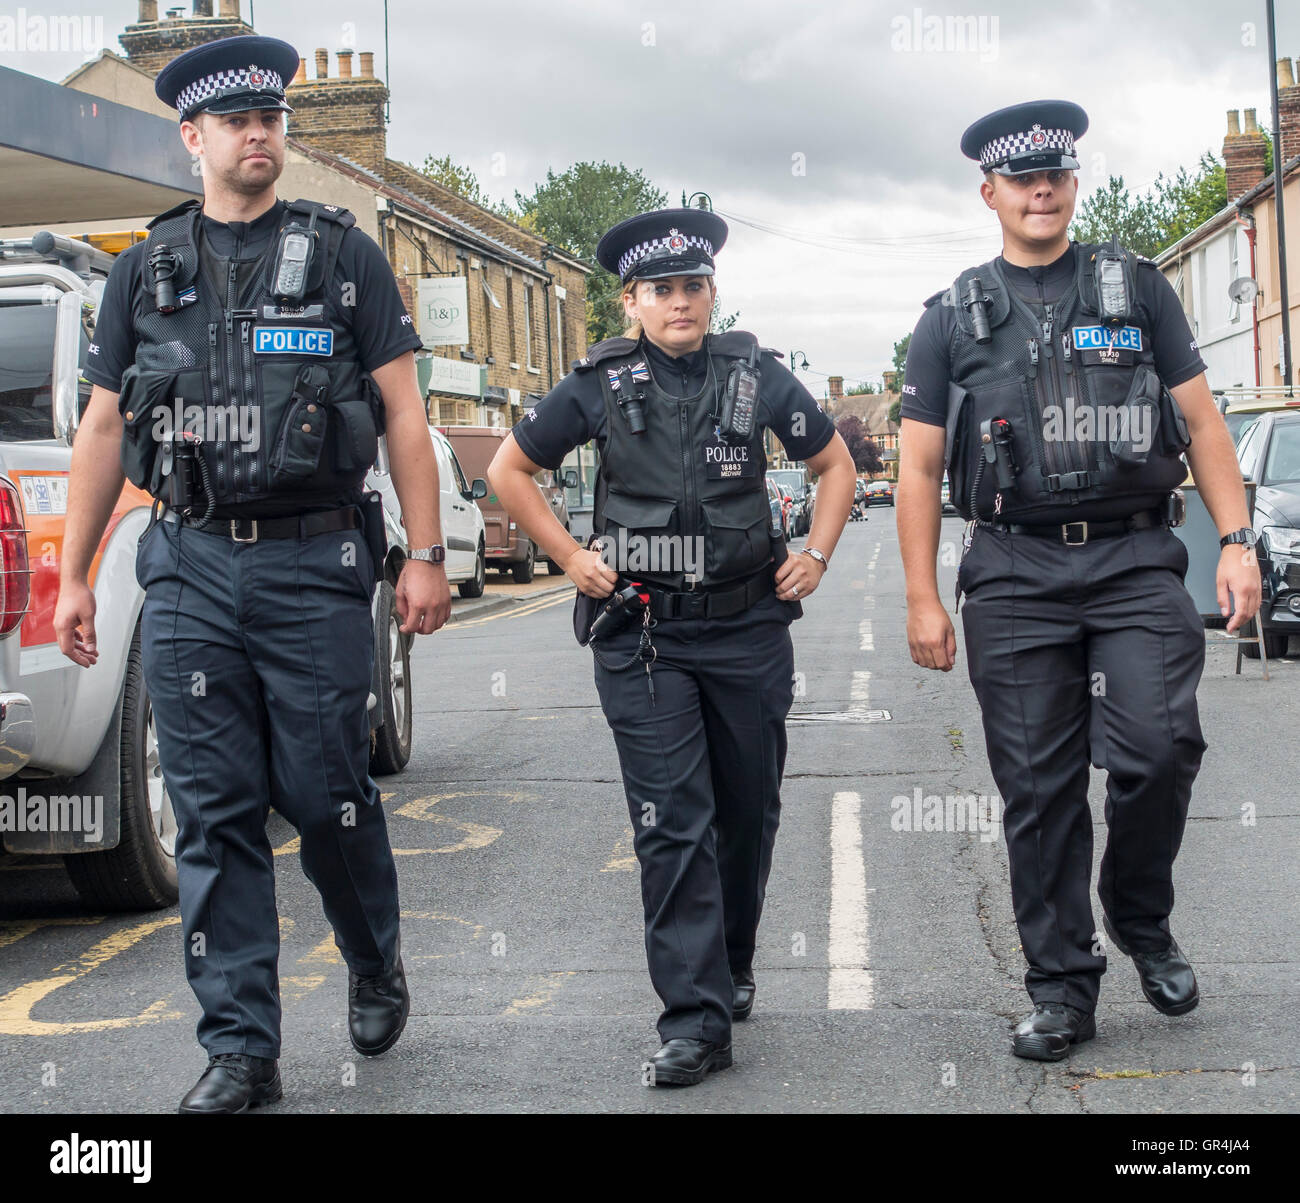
x=275, y=392
x=676, y=505
x=1059, y=417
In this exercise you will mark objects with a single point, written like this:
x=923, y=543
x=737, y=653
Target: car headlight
x=1281, y=540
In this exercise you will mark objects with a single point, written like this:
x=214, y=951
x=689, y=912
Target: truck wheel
x=140, y=873
x=553, y=569
x=523, y=570
x=1274, y=647
x=390, y=743
x=474, y=586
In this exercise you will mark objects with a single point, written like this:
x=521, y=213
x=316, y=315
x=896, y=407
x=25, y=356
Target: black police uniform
x=701, y=735
x=1075, y=615
x=256, y=631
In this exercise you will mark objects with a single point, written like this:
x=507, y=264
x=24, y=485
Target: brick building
x=525, y=300
x=873, y=409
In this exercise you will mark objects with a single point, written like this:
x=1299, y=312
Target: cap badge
x=1037, y=137
x=255, y=78
x=675, y=241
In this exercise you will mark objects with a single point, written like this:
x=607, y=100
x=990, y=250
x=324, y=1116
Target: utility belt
x=367, y=516
x=1076, y=534
x=717, y=601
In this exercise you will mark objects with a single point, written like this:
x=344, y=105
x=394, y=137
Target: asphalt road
x=888, y=969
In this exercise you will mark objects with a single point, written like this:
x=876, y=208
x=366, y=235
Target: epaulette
x=608, y=348
x=334, y=213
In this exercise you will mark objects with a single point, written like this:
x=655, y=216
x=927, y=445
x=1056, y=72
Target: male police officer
x=1060, y=383
x=246, y=357
x=696, y=688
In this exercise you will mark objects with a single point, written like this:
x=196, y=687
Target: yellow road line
x=527, y=608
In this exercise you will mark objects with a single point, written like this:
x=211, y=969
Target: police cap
x=667, y=242
x=1036, y=136
x=229, y=75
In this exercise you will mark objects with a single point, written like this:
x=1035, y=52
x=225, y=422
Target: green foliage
x=900, y=353
x=863, y=389
x=573, y=209
x=1169, y=210
x=896, y=412
x=463, y=182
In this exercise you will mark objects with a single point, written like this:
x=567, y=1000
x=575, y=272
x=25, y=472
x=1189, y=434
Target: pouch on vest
x=1139, y=419
x=356, y=437
x=372, y=527
x=145, y=398
x=302, y=436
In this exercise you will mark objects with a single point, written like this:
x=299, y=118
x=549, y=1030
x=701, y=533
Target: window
x=1246, y=449
x=1234, y=270
x=510, y=317
x=564, y=336
x=490, y=303
x=528, y=323
x=459, y=471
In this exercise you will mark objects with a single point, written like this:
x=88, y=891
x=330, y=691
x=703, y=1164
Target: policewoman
x=1060, y=384
x=694, y=664
x=234, y=383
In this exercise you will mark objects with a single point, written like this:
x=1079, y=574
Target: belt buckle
x=234, y=530
x=1065, y=534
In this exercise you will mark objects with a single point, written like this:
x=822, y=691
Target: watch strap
x=1244, y=534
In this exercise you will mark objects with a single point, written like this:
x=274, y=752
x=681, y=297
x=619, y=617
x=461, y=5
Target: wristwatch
x=1244, y=536
x=816, y=555
x=437, y=554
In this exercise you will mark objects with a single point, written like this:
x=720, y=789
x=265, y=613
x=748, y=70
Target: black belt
x=1076, y=534
x=291, y=526
x=718, y=602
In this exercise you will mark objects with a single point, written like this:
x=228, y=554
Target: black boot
x=378, y=1005
x=1047, y=1034
x=682, y=1062
x=232, y=1083
x=1167, y=979
x=742, y=985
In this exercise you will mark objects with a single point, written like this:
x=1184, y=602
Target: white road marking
x=850, y=986
x=866, y=641
x=860, y=690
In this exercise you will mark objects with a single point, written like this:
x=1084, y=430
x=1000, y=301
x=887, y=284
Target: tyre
x=523, y=569
x=390, y=743
x=474, y=586
x=553, y=569
x=140, y=873
x=1274, y=647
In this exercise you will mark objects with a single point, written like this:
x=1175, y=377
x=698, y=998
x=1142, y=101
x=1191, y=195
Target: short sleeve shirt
x=573, y=412
x=926, y=377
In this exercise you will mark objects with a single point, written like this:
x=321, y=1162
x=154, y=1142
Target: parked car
x=796, y=480
x=776, y=507
x=880, y=492
x=1242, y=414
x=1269, y=454
x=787, y=511
x=508, y=549
x=945, y=497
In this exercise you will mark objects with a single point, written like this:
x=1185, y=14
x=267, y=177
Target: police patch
x=292, y=340
x=1099, y=338
x=722, y=462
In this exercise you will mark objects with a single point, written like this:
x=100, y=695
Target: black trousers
x=1072, y=648
x=258, y=659
x=702, y=770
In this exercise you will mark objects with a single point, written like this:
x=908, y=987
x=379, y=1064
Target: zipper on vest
x=1036, y=428
x=214, y=379
x=246, y=327
x=688, y=480
x=231, y=379
x=1063, y=460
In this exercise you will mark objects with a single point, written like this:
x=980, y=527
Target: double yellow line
x=544, y=603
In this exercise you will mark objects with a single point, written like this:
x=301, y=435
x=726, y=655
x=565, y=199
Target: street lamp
x=795, y=356
x=706, y=201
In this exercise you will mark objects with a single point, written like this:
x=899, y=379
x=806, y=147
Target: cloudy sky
x=832, y=125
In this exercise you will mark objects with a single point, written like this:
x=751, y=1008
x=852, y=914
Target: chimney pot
x=345, y=64
x=1284, y=77
x=1252, y=126
x=322, y=63
x=230, y=8
x=367, y=64
x=148, y=11
x=300, y=76
x=1234, y=123
x=202, y=8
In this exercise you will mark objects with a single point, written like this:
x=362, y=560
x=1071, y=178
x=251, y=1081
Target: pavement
x=888, y=968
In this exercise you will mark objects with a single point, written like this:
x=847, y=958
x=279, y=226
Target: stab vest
x=276, y=392
x=677, y=506
x=1095, y=435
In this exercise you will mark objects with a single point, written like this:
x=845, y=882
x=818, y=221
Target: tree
x=863, y=448
x=896, y=411
x=718, y=324
x=900, y=353
x=462, y=181
x=573, y=209
x=1111, y=211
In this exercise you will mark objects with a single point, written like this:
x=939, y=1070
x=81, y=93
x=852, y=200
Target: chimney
x=148, y=11
x=1288, y=108
x=230, y=8
x=343, y=115
x=1244, y=154
x=835, y=385
x=300, y=76
x=203, y=8
x=151, y=43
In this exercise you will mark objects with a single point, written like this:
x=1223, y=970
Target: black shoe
x=232, y=1083
x=1167, y=979
x=742, y=996
x=378, y=1005
x=682, y=1062
x=1047, y=1034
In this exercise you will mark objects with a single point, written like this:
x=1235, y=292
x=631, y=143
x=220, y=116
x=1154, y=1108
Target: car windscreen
x=26, y=371
x=1283, y=462
x=794, y=481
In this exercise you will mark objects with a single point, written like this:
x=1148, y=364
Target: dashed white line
x=860, y=690
x=866, y=641
x=849, y=987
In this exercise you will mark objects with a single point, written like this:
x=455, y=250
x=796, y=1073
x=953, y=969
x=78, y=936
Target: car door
x=451, y=511
x=465, y=510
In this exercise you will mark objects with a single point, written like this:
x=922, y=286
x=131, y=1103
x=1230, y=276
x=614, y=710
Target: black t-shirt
x=573, y=412
x=925, y=380
x=380, y=325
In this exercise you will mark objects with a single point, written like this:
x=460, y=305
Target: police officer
x=244, y=386
x=1060, y=383
x=697, y=682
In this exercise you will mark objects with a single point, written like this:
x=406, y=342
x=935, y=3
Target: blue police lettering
x=292, y=340
x=1099, y=338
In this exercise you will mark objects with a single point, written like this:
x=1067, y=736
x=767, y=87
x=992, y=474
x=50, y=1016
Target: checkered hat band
x=204, y=89
x=638, y=252
x=1001, y=149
